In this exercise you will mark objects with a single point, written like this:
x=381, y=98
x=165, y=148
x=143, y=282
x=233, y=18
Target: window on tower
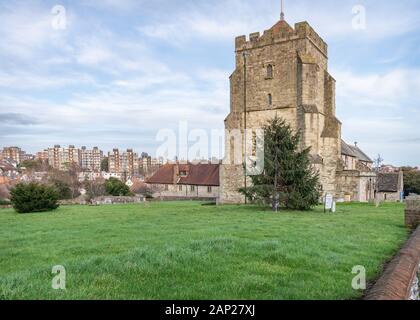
x=269, y=71
x=270, y=100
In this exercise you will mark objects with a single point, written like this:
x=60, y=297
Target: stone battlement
x=285, y=33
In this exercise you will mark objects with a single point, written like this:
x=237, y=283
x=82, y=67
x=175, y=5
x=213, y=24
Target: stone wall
x=182, y=192
x=116, y=200
x=389, y=196
x=412, y=212
x=354, y=185
x=105, y=200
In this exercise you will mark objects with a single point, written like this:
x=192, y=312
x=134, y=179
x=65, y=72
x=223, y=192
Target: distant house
x=390, y=186
x=8, y=170
x=186, y=181
x=355, y=175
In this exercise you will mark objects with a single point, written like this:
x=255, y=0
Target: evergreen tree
x=34, y=197
x=288, y=179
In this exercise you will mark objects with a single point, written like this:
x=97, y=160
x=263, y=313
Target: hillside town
x=173, y=180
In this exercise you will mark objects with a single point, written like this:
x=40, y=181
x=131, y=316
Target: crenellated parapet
x=281, y=32
x=304, y=30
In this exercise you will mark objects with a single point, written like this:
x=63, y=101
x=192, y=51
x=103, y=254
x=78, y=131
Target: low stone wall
x=105, y=200
x=202, y=199
x=400, y=278
x=116, y=200
x=412, y=212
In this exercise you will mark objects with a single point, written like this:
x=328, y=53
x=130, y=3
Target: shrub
x=4, y=202
x=115, y=187
x=34, y=197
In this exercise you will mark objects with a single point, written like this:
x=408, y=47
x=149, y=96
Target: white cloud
x=392, y=88
x=224, y=19
x=123, y=89
x=20, y=80
x=119, y=5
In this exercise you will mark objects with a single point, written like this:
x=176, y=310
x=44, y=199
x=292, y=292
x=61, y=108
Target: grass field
x=184, y=250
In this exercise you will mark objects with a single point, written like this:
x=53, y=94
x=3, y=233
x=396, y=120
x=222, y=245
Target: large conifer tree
x=288, y=179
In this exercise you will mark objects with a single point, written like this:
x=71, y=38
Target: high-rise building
x=123, y=163
x=146, y=163
x=13, y=153
x=42, y=156
x=61, y=158
x=91, y=159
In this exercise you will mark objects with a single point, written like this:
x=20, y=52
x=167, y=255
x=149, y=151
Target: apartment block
x=91, y=159
x=61, y=158
x=147, y=163
x=13, y=153
x=125, y=163
x=42, y=155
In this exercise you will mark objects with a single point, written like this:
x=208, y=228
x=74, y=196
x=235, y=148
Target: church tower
x=283, y=72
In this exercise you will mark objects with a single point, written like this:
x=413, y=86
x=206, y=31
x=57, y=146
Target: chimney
x=176, y=173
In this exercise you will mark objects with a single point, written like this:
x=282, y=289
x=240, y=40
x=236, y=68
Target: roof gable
x=388, y=182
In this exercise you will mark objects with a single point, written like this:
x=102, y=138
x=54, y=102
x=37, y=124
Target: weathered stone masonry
x=287, y=76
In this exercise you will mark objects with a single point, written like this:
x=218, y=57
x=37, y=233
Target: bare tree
x=94, y=188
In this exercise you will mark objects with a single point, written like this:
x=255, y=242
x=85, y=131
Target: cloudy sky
x=121, y=70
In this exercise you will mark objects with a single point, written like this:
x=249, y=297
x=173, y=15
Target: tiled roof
x=346, y=150
x=388, y=182
x=198, y=175
x=282, y=25
x=202, y=175
x=354, y=151
x=165, y=175
x=360, y=154
x=6, y=166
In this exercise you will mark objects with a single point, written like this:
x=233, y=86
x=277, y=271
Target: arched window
x=269, y=71
x=270, y=100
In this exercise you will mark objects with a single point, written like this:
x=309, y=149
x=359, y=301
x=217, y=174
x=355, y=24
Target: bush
x=4, y=202
x=34, y=197
x=116, y=188
x=63, y=190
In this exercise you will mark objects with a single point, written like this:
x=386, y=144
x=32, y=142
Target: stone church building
x=284, y=72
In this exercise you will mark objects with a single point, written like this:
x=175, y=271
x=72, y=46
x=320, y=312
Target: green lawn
x=184, y=250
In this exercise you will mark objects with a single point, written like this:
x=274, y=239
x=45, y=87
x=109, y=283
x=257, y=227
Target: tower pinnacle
x=282, y=11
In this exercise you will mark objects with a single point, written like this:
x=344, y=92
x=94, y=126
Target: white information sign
x=329, y=202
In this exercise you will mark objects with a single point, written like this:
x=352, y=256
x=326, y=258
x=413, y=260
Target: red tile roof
x=282, y=25
x=165, y=175
x=202, y=175
x=197, y=175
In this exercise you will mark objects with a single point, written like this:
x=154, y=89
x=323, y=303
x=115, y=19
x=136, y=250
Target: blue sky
x=124, y=69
